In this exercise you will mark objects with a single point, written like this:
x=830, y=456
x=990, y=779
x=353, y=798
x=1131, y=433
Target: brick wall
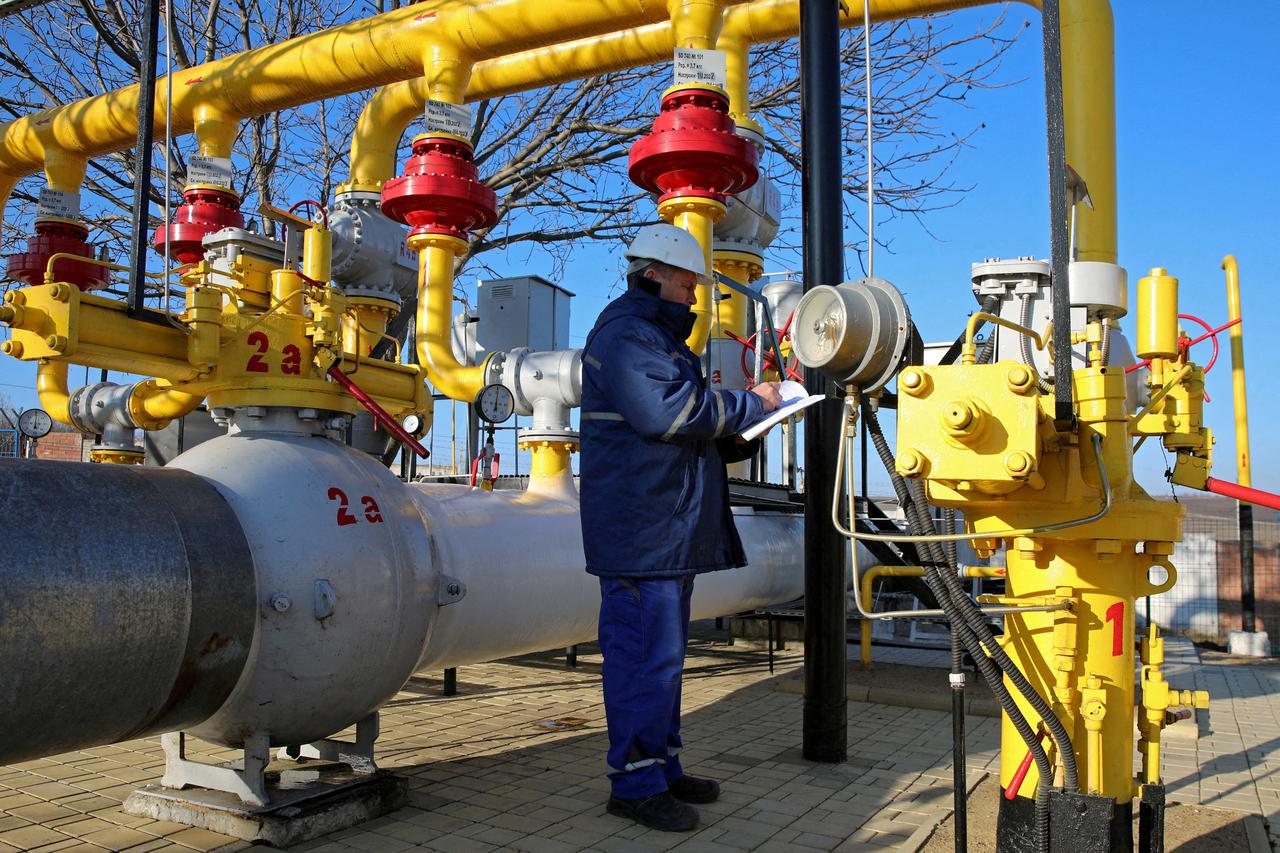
x=64, y=446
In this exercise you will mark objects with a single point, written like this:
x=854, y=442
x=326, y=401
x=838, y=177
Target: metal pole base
x=1151, y=819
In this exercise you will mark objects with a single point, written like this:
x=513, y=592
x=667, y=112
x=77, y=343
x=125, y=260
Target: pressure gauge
x=412, y=424
x=495, y=403
x=35, y=423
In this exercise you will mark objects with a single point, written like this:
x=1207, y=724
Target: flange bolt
x=914, y=382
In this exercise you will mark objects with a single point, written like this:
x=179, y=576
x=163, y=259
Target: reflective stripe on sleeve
x=592, y=361
x=682, y=417
x=602, y=416
x=721, y=415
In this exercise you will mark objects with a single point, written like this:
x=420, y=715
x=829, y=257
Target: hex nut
x=914, y=381
x=912, y=464
x=13, y=348
x=1020, y=379
x=56, y=342
x=280, y=602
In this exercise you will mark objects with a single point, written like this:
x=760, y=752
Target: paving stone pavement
x=486, y=772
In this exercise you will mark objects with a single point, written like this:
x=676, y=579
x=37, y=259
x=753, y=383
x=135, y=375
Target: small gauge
x=35, y=423
x=495, y=403
x=412, y=424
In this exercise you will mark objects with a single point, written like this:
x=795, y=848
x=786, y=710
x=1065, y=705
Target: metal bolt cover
x=914, y=382
x=13, y=348
x=1018, y=463
x=280, y=602
x=911, y=463
x=1019, y=379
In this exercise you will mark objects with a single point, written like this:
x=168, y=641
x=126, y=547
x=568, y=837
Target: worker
x=655, y=512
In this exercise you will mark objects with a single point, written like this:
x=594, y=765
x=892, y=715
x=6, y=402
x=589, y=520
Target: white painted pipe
x=520, y=557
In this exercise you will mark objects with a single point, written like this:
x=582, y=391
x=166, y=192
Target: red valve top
x=51, y=238
x=440, y=191
x=694, y=149
x=202, y=212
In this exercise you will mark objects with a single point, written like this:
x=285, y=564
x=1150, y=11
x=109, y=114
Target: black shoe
x=691, y=789
x=661, y=811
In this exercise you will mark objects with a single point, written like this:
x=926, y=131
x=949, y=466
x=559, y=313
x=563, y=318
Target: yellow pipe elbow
x=436, y=256
x=64, y=172
x=7, y=183
x=153, y=406
x=376, y=139
x=696, y=23
x=215, y=130
x=51, y=388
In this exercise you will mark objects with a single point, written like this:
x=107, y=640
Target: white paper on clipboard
x=795, y=398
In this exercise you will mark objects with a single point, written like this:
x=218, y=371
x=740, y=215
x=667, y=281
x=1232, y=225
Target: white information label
x=443, y=117
x=56, y=204
x=708, y=67
x=213, y=171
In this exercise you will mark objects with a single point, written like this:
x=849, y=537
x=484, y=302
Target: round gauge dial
x=495, y=403
x=412, y=424
x=35, y=423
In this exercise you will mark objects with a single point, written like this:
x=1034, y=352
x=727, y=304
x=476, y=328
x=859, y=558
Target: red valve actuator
x=694, y=149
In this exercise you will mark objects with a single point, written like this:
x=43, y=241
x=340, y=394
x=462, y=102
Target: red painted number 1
x=1116, y=613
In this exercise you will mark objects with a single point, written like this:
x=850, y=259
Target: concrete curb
x=1256, y=832
x=939, y=700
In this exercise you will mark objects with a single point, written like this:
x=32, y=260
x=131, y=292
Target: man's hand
x=769, y=393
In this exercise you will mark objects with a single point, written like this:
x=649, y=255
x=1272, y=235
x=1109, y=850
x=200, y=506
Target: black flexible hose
x=962, y=627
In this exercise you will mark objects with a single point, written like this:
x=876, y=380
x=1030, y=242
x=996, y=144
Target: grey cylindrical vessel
x=127, y=604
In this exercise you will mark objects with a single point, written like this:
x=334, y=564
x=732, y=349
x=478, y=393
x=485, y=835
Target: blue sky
x=1197, y=129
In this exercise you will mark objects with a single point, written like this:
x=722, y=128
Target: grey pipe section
x=127, y=608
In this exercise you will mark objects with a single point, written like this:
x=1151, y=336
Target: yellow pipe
x=436, y=257
x=1237, y=370
x=382, y=123
x=358, y=55
x=738, y=75
x=871, y=575
x=51, y=388
x=731, y=313
x=1089, y=102
x=698, y=216
x=153, y=406
x=969, y=351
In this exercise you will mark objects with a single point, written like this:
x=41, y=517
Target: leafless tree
x=556, y=156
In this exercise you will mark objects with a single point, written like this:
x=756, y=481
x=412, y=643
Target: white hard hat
x=669, y=245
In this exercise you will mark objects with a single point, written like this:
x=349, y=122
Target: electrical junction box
x=527, y=311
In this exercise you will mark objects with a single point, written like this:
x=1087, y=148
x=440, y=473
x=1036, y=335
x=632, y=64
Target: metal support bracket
x=451, y=591
x=358, y=754
x=248, y=783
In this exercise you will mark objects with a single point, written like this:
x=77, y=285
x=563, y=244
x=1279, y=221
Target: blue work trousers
x=644, y=628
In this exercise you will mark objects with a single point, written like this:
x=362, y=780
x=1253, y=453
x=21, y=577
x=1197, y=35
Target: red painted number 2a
x=344, y=515
x=259, y=341
x=1115, y=613
x=372, y=512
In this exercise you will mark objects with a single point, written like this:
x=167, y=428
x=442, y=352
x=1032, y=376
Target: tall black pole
x=142, y=181
x=825, y=702
x=1245, y=519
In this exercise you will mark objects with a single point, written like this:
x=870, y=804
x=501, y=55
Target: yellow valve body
x=1101, y=567
x=1157, y=315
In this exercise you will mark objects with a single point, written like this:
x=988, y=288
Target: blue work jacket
x=655, y=496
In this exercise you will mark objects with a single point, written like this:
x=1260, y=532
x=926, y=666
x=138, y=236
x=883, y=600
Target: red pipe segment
x=1242, y=493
